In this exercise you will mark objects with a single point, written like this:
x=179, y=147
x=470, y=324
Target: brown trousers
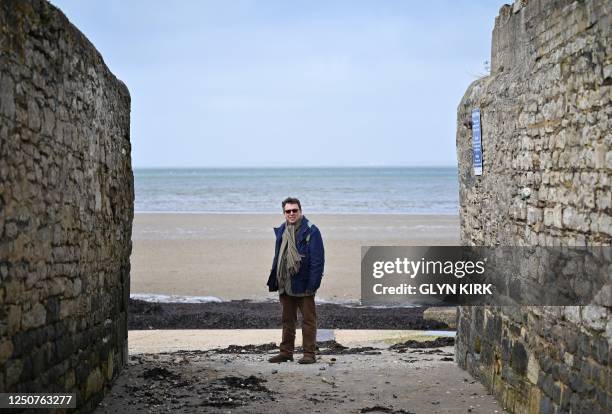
x=306, y=304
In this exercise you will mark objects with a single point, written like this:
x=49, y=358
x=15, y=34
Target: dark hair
x=291, y=200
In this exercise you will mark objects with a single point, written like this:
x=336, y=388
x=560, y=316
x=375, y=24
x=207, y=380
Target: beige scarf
x=288, y=258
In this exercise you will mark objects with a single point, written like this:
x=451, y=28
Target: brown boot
x=280, y=358
x=307, y=359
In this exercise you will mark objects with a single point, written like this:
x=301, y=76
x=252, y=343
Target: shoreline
x=229, y=256
x=160, y=298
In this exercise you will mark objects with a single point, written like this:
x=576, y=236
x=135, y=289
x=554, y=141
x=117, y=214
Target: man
x=297, y=270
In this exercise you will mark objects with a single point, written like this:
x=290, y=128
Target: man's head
x=292, y=209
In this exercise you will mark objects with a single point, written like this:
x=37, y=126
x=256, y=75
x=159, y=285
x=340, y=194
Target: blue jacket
x=310, y=246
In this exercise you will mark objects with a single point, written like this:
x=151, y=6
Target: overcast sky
x=280, y=83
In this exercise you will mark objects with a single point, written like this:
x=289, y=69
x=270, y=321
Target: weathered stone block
x=12, y=371
x=599, y=155
x=519, y=358
x=574, y=220
x=34, y=115
x=534, y=215
x=560, y=372
x=579, y=384
x=604, y=199
x=546, y=405
x=95, y=383
x=602, y=350
x=533, y=369
x=7, y=96
x=605, y=224
x=548, y=216
x=6, y=350
x=35, y=317
x=38, y=362
x=595, y=317
x=14, y=318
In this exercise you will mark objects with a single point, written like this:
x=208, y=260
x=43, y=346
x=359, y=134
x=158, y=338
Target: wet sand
x=229, y=255
x=266, y=315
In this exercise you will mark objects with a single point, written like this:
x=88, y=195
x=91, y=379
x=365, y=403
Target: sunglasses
x=295, y=210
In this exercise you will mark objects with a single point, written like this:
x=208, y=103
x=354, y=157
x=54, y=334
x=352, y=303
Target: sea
x=337, y=190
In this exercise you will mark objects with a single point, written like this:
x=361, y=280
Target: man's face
x=292, y=213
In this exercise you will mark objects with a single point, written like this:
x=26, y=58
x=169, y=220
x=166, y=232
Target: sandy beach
x=229, y=255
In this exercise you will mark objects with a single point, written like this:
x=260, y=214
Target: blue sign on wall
x=476, y=142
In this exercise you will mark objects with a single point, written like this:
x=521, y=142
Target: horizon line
x=298, y=166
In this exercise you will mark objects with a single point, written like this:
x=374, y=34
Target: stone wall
x=547, y=134
x=66, y=207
